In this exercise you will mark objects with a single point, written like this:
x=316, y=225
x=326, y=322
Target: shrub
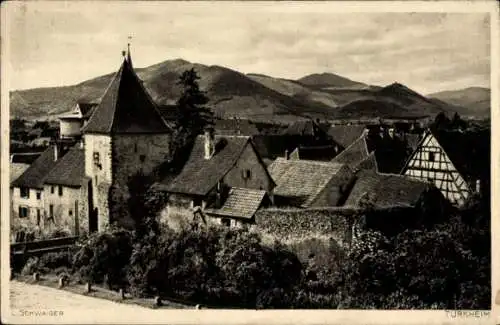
x=104, y=256
x=31, y=266
x=55, y=260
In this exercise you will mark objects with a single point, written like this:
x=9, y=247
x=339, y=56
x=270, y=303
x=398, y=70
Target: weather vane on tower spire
x=129, y=58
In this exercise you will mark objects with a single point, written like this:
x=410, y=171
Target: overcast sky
x=66, y=43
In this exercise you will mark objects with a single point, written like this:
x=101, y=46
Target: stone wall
x=100, y=174
x=68, y=209
x=293, y=225
x=138, y=154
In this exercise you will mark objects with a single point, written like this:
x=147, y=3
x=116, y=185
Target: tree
x=192, y=116
x=441, y=121
x=104, y=257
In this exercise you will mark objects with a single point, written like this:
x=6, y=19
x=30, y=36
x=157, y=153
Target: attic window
x=247, y=174
x=431, y=156
x=25, y=192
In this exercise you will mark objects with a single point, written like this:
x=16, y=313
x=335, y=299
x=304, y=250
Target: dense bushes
x=54, y=262
x=443, y=266
x=104, y=257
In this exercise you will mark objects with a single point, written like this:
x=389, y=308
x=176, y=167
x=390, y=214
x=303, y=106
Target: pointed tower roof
x=126, y=107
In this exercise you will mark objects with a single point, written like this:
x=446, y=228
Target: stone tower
x=125, y=136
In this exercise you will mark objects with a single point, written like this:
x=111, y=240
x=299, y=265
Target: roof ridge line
x=120, y=70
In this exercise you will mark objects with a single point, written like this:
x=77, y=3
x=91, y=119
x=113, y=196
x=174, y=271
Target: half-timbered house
x=456, y=162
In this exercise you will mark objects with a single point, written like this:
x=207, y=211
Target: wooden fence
x=43, y=246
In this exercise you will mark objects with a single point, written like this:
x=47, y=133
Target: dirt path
x=34, y=301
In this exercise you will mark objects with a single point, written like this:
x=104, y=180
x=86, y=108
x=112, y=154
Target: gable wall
x=32, y=203
x=70, y=209
x=440, y=171
x=259, y=178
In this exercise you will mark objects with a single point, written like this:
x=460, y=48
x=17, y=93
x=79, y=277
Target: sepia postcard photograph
x=220, y=162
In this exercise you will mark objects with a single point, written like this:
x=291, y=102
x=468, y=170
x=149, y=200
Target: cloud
x=427, y=51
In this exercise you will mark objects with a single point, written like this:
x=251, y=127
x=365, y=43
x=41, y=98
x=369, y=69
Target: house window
x=52, y=190
x=431, y=156
x=97, y=159
x=70, y=212
x=225, y=222
x=51, y=211
x=23, y=212
x=142, y=158
x=25, y=192
x=60, y=190
x=247, y=174
x=38, y=195
x=38, y=217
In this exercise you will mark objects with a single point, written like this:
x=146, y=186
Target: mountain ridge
x=254, y=96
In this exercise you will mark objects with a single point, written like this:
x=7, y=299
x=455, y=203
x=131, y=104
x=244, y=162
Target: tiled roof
x=320, y=153
x=69, y=170
x=16, y=169
x=126, y=107
x=241, y=203
x=413, y=140
x=468, y=151
x=86, y=109
x=305, y=127
x=353, y=154
x=199, y=175
x=24, y=158
x=386, y=190
x=235, y=127
x=369, y=162
x=34, y=176
x=302, y=179
x=345, y=135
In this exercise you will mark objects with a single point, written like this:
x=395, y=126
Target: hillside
x=472, y=101
x=231, y=93
x=254, y=96
x=329, y=80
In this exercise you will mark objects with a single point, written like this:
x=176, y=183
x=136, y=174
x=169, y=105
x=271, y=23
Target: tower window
x=97, y=159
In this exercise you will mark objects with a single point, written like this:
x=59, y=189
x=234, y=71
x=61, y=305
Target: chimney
x=56, y=151
x=209, y=143
x=287, y=156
